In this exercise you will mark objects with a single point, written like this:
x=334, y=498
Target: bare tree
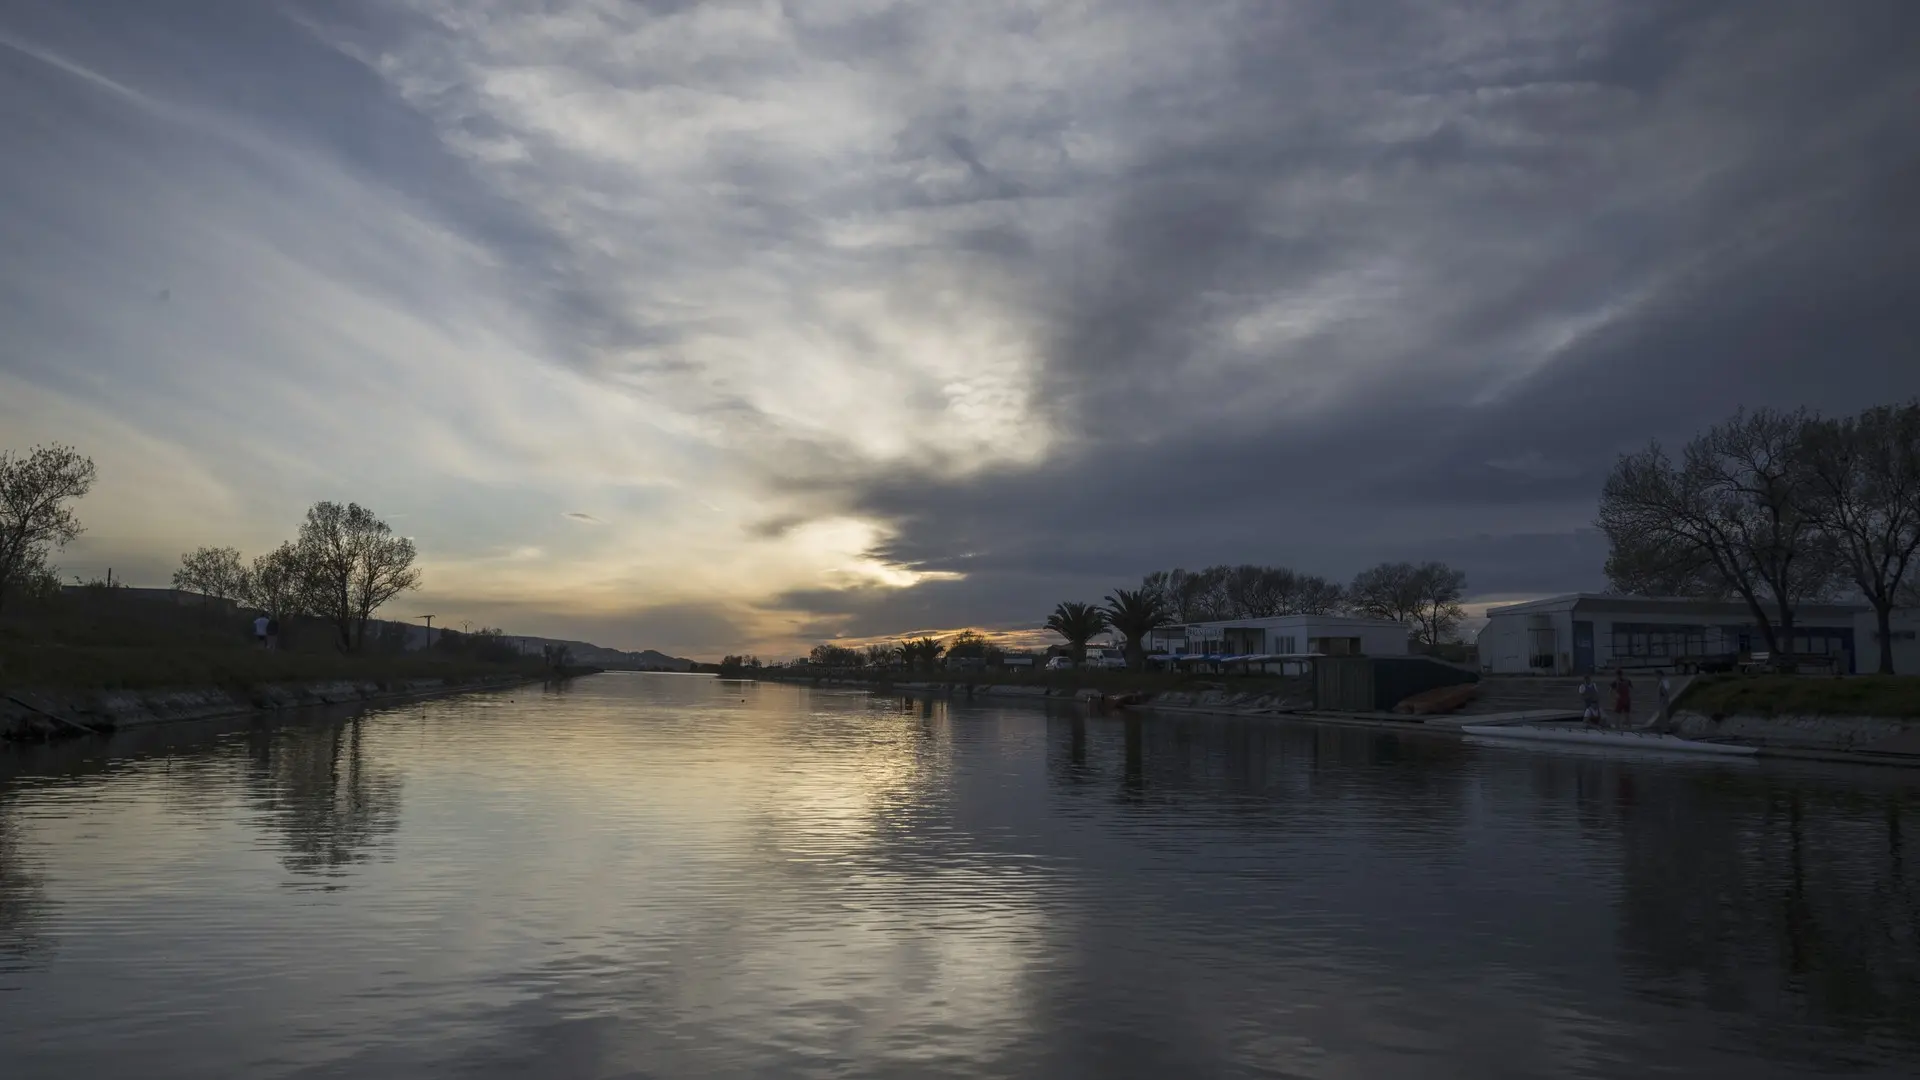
x=276, y=582
x=1730, y=514
x=973, y=645
x=1754, y=464
x=1241, y=592
x=877, y=656
x=350, y=564
x=1389, y=591
x=35, y=520
x=1255, y=592
x=1440, y=588
x=1659, y=569
x=834, y=656
x=216, y=573
x=1861, y=484
x=1191, y=596
x=1315, y=595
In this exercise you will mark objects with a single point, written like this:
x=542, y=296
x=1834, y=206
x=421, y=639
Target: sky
x=715, y=327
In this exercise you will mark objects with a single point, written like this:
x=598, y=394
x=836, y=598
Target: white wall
x=1506, y=642
x=1386, y=640
x=1503, y=644
x=1376, y=638
x=1906, y=642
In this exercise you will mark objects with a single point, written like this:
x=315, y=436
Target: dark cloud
x=1316, y=285
x=1611, y=237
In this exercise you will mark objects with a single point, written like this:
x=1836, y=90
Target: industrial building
x=1581, y=632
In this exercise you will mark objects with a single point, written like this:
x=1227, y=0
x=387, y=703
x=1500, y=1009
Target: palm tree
x=1134, y=614
x=922, y=650
x=1078, y=623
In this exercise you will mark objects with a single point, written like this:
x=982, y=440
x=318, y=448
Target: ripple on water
x=674, y=876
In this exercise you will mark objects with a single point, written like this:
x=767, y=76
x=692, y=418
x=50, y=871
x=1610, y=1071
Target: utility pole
x=429, y=619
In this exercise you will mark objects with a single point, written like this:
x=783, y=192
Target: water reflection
x=1785, y=903
x=321, y=796
x=656, y=876
x=1779, y=901
x=22, y=897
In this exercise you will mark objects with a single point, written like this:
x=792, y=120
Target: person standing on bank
x=1622, y=699
x=260, y=629
x=1664, y=690
x=1590, y=697
x=273, y=634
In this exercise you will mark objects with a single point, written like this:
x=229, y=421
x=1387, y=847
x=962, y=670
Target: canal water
x=671, y=876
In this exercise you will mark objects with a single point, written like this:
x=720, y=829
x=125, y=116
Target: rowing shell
x=1625, y=740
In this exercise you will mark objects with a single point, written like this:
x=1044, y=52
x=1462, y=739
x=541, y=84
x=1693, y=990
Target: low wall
x=1300, y=698
x=1231, y=701
x=1838, y=733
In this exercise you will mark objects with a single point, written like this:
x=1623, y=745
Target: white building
x=1281, y=635
x=1906, y=641
x=1583, y=632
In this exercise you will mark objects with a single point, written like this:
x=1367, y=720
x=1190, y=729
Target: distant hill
x=581, y=652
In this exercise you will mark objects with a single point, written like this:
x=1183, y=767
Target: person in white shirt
x=1590, y=698
x=260, y=630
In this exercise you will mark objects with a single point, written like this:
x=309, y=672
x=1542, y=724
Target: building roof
x=1609, y=602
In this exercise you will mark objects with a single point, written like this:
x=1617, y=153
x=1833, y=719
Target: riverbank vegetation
x=1104, y=680
x=320, y=591
x=1777, y=509
x=1425, y=597
x=344, y=565
x=118, y=638
x=1896, y=696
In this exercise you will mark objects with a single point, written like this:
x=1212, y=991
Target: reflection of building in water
x=329, y=804
x=1257, y=772
x=1789, y=906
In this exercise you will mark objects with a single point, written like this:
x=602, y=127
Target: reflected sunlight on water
x=674, y=876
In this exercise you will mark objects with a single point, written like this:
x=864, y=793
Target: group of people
x=1622, y=698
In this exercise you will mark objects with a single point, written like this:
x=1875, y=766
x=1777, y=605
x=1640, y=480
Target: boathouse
x=1581, y=632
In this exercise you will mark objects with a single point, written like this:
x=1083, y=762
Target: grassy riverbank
x=82, y=667
x=121, y=640
x=1893, y=696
